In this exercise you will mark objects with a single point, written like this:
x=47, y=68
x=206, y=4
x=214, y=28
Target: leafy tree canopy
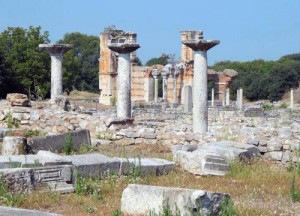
x=162, y=60
x=80, y=67
x=24, y=68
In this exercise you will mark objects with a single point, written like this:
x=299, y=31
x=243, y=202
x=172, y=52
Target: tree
x=282, y=78
x=162, y=60
x=80, y=67
x=24, y=68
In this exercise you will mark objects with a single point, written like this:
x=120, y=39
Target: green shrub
x=88, y=187
x=227, y=208
x=11, y=122
x=68, y=146
x=267, y=107
x=113, y=101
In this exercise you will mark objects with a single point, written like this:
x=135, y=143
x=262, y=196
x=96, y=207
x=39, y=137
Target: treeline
x=264, y=79
x=24, y=68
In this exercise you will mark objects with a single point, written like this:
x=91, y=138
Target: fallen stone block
x=18, y=180
x=202, y=162
x=145, y=166
x=56, y=142
x=94, y=164
x=145, y=200
x=23, y=212
x=212, y=158
x=16, y=99
x=14, y=145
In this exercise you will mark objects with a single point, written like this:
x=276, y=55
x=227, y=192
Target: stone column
x=212, y=97
x=227, y=97
x=155, y=75
x=56, y=52
x=223, y=98
x=124, y=77
x=165, y=75
x=241, y=99
x=175, y=89
x=188, y=99
x=237, y=98
x=292, y=99
x=200, y=109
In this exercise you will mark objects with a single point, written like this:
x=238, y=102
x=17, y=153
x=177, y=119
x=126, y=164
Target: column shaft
x=56, y=76
x=124, y=86
x=155, y=90
x=212, y=97
x=200, y=111
x=165, y=89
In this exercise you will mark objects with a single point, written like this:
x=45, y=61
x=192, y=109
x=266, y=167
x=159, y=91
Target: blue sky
x=247, y=29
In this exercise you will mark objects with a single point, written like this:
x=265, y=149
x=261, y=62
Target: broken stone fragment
x=145, y=200
x=16, y=99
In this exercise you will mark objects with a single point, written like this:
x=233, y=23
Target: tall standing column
x=227, y=97
x=241, y=99
x=165, y=75
x=212, y=97
x=124, y=77
x=56, y=52
x=223, y=98
x=292, y=99
x=155, y=75
x=238, y=99
x=200, y=109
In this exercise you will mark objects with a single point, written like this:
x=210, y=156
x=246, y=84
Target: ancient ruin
x=171, y=141
x=56, y=51
x=142, y=79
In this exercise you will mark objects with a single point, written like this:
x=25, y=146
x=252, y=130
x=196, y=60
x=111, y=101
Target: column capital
x=56, y=49
x=155, y=73
x=123, y=48
x=200, y=44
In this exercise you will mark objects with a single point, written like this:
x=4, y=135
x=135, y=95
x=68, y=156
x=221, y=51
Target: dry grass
x=259, y=188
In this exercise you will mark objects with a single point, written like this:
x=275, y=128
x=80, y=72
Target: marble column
x=292, y=99
x=200, y=108
x=223, y=98
x=212, y=97
x=124, y=77
x=227, y=97
x=155, y=75
x=165, y=75
x=241, y=99
x=56, y=52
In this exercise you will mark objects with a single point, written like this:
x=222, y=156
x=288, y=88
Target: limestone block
x=146, y=166
x=16, y=99
x=275, y=155
x=201, y=162
x=23, y=212
x=13, y=145
x=94, y=164
x=285, y=132
x=56, y=142
x=145, y=199
x=18, y=180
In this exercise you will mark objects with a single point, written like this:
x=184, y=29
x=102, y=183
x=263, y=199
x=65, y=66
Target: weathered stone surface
x=56, y=142
x=285, y=132
x=145, y=199
x=212, y=158
x=200, y=162
x=14, y=145
x=94, y=164
x=254, y=112
x=18, y=180
x=23, y=212
x=276, y=155
x=16, y=99
x=145, y=166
